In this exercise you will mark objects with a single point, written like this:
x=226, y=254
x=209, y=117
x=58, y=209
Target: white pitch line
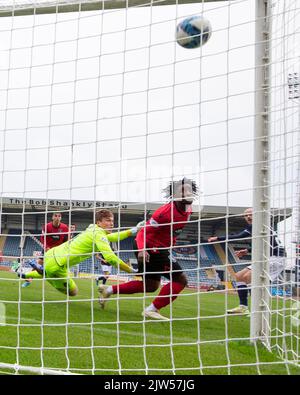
x=84, y=326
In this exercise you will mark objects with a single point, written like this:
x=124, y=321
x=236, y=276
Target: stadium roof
x=48, y=205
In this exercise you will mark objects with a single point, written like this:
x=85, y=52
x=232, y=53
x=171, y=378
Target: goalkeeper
x=95, y=239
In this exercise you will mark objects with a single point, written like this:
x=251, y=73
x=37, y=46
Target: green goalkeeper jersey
x=93, y=240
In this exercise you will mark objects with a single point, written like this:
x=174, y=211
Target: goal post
x=260, y=319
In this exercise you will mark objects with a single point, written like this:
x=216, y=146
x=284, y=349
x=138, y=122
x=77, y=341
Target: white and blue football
x=193, y=32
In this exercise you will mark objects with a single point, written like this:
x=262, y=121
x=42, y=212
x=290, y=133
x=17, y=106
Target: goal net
x=101, y=108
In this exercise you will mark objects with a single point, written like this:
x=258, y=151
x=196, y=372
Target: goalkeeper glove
x=36, y=266
x=137, y=227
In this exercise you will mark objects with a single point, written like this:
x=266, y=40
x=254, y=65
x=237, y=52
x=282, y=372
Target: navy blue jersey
x=276, y=248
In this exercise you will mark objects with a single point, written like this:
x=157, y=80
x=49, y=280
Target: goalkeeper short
x=63, y=283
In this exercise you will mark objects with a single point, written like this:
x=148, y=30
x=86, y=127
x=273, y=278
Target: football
x=193, y=32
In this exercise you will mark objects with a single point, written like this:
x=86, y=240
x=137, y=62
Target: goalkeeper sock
x=242, y=291
x=33, y=274
x=131, y=287
x=163, y=298
x=30, y=275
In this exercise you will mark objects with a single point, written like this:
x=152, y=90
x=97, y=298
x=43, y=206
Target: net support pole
x=260, y=297
x=297, y=208
x=294, y=96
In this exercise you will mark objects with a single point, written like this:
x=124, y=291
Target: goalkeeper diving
x=95, y=239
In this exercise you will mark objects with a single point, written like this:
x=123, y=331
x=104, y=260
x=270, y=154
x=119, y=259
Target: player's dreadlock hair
x=174, y=185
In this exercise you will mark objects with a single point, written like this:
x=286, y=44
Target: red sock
x=131, y=287
x=160, y=301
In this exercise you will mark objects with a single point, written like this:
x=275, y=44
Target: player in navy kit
x=106, y=270
x=153, y=243
x=243, y=277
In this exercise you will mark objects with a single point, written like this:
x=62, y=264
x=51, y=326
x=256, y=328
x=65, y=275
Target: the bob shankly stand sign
x=62, y=204
x=78, y=205
x=57, y=204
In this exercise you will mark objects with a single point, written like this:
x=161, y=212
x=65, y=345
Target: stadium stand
x=16, y=246
x=13, y=247
x=201, y=262
x=236, y=264
x=12, y=244
x=3, y=239
x=204, y=264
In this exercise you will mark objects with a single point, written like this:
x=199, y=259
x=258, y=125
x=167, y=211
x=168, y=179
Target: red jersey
x=163, y=227
x=54, y=236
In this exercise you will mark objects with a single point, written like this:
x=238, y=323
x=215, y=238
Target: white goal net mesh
x=101, y=108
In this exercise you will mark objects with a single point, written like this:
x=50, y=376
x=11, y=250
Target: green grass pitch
x=80, y=336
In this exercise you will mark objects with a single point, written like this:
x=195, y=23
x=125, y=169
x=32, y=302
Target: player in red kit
x=54, y=233
x=154, y=257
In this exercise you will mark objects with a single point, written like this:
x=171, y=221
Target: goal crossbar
x=26, y=7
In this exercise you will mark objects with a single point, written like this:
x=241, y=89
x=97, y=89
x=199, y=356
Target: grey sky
x=112, y=100
x=134, y=87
